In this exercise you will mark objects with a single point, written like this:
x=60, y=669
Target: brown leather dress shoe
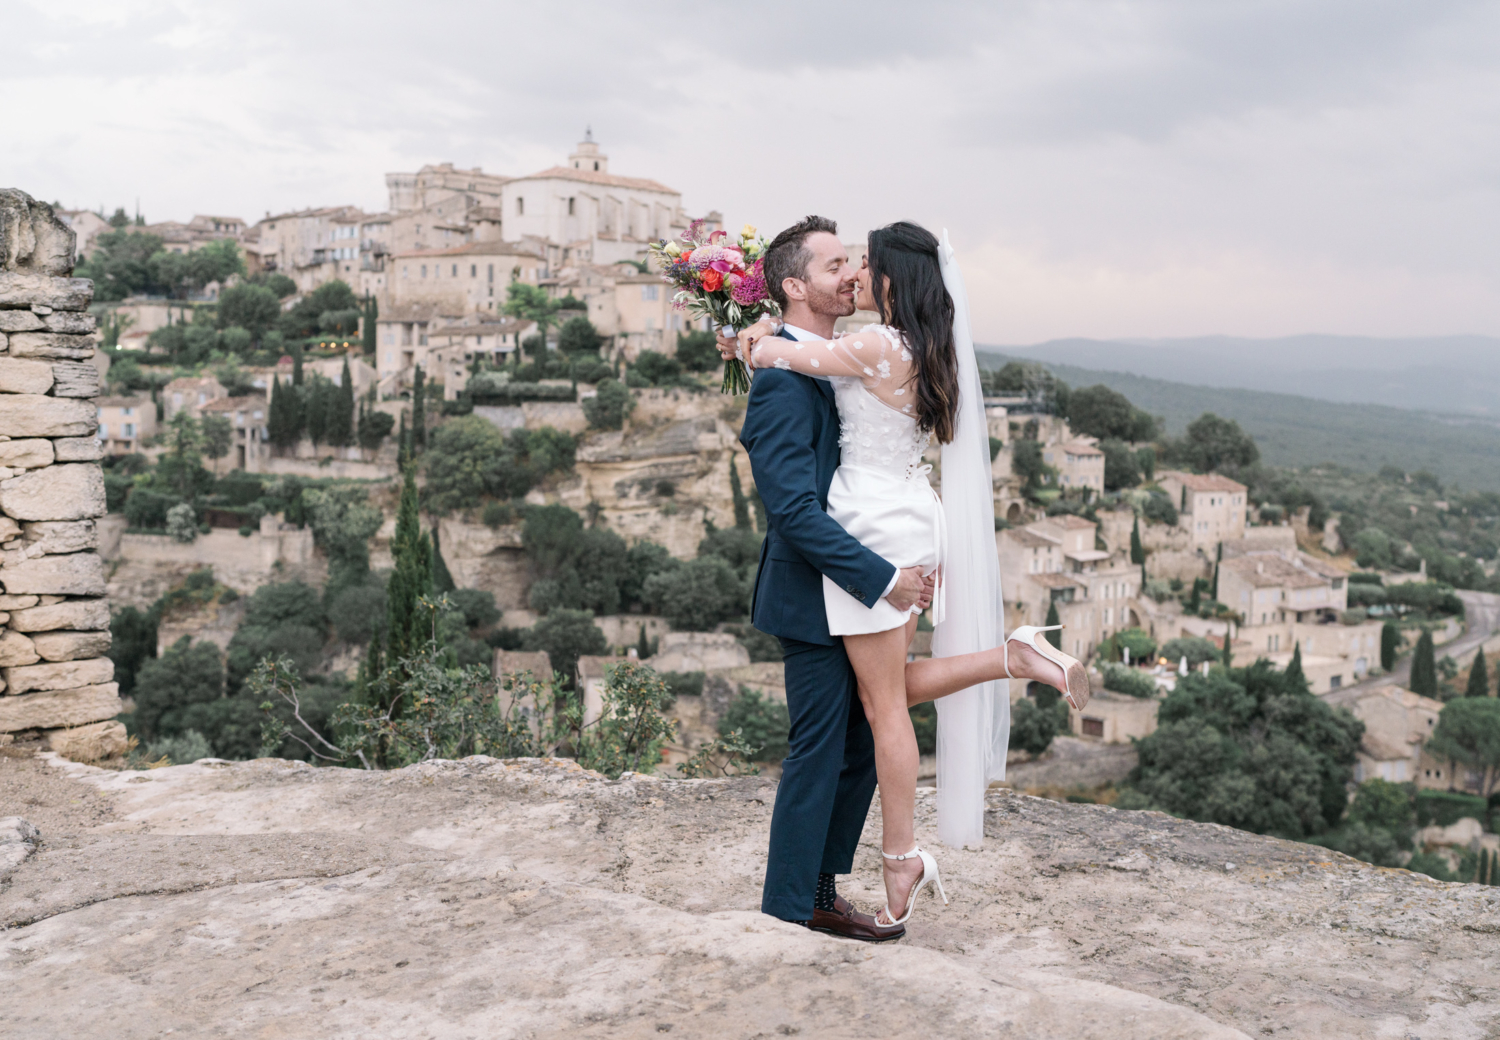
x=848, y=922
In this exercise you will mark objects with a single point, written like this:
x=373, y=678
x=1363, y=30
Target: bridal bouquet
x=719, y=278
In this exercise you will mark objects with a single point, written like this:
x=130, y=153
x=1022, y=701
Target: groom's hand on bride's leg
x=910, y=587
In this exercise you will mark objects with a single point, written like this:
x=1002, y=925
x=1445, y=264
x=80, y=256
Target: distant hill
x=1301, y=431
x=1447, y=374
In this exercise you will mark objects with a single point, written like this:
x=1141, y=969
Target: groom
x=791, y=431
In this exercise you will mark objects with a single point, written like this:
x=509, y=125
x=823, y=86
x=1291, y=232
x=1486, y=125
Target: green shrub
x=1196, y=649
x=697, y=351
x=477, y=605
x=763, y=723
x=683, y=684
x=1128, y=681
x=607, y=409
x=759, y=645
x=565, y=635
x=148, y=509
x=1032, y=727
x=924, y=725
x=697, y=595
x=183, y=749
x=1445, y=808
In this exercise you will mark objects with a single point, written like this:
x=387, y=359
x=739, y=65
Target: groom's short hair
x=788, y=256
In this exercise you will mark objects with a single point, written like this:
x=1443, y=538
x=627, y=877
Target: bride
x=897, y=385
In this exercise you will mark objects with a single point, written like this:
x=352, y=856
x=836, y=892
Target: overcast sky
x=1106, y=169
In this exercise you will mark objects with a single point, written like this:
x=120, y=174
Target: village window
x=650, y=292
x=424, y=270
x=130, y=429
x=520, y=207
x=127, y=411
x=455, y=270
x=492, y=278
x=1335, y=681
x=1093, y=727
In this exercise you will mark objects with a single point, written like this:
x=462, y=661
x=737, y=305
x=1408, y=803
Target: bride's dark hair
x=919, y=305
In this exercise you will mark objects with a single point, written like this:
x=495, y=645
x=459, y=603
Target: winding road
x=1481, y=611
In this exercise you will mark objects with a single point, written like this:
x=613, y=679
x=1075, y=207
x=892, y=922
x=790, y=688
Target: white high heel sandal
x=1077, y=677
x=929, y=873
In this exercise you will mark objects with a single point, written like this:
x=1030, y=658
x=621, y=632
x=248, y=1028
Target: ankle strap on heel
x=916, y=850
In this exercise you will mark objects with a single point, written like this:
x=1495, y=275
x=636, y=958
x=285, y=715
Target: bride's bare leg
x=878, y=659
x=939, y=676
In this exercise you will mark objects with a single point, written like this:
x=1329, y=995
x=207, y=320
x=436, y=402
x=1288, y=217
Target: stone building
x=1210, y=507
x=54, y=675
x=467, y=279
x=125, y=423
x=1079, y=464
x=1288, y=598
x=87, y=226
x=189, y=394
x=1054, y=562
x=247, y=417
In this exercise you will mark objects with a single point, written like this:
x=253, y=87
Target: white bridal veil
x=973, y=729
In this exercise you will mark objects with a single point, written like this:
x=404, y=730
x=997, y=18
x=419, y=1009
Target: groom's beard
x=833, y=304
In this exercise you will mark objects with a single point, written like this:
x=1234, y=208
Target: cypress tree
x=296, y=364
x=643, y=645
x=1294, y=667
x=1228, y=647
x=418, y=412
x=411, y=577
x=442, y=578
x=1424, y=668
x=315, y=394
x=1390, y=639
x=1479, y=677
x=1196, y=599
x=341, y=410
x=1055, y=638
x=403, y=447
x=372, y=315
x=1137, y=551
x=274, y=412
x=741, y=503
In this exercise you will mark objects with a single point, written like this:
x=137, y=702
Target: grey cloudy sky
x=1106, y=168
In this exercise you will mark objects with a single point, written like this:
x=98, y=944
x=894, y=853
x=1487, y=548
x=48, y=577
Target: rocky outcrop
x=56, y=625
x=531, y=898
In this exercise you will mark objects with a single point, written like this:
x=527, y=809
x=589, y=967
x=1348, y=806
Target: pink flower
x=751, y=288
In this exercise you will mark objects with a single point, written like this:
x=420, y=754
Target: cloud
x=1250, y=167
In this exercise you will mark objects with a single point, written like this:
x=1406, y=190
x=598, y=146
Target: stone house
x=1398, y=723
x=190, y=394
x=1287, y=598
x=247, y=417
x=1054, y=561
x=1210, y=507
x=1114, y=718
x=468, y=279
x=125, y=423
x=453, y=349
x=1079, y=464
x=318, y=245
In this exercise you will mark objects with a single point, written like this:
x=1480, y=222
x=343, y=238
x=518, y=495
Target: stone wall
x=53, y=672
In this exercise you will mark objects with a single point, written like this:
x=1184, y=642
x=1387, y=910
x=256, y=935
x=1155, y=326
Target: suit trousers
x=827, y=779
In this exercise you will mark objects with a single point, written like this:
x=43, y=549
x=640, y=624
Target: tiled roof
x=1055, y=580
x=475, y=249
x=1268, y=570
x=1030, y=539
x=1069, y=522
x=608, y=180
x=1080, y=448
x=1201, y=481
x=234, y=404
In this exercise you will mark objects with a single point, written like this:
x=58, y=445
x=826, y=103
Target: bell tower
x=587, y=156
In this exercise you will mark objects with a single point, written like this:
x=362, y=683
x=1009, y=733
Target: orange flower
x=712, y=280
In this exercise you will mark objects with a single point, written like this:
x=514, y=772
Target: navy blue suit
x=792, y=434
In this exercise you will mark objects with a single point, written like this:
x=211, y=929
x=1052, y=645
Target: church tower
x=588, y=157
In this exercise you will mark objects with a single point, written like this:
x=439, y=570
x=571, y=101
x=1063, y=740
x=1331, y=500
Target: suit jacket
x=791, y=431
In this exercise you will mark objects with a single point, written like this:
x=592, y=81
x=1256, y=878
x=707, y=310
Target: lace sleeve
x=877, y=357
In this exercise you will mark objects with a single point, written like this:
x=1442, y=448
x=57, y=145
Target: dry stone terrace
x=54, y=619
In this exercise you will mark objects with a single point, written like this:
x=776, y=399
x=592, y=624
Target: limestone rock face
x=16, y=649
x=78, y=449
x=25, y=289
x=76, y=574
x=32, y=238
x=75, y=379
x=62, y=492
x=59, y=675
x=51, y=345
x=78, y=614
x=69, y=646
x=52, y=708
x=32, y=415
x=90, y=743
x=20, y=321
x=61, y=536
x=31, y=453
x=74, y=322
x=17, y=602
x=23, y=376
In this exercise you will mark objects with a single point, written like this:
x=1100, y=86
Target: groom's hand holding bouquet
x=719, y=278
